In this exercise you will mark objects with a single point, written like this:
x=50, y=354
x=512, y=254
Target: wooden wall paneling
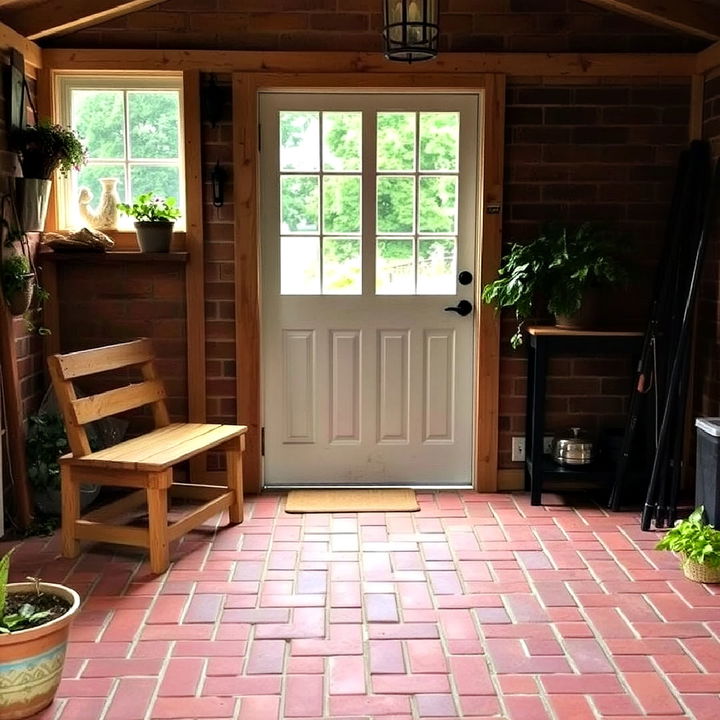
x=708, y=59
x=195, y=270
x=524, y=64
x=32, y=53
x=247, y=286
x=487, y=352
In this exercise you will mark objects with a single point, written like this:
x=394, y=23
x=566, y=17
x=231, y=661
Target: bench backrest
x=77, y=412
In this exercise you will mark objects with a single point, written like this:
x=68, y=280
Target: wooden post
x=14, y=417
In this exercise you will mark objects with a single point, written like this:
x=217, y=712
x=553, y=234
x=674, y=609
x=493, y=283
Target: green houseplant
x=46, y=442
x=42, y=148
x=35, y=620
x=562, y=264
x=697, y=544
x=154, y=220
x=18, y=283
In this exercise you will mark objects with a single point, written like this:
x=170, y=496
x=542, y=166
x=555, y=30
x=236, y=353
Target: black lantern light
x=410, y=29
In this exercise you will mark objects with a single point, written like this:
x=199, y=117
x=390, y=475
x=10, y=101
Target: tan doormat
x=365, y=500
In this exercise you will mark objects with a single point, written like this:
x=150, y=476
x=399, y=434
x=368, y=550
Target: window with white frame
x=132, y=127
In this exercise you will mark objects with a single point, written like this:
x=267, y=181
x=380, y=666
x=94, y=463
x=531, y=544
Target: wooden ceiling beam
x=55, y=17
x=709, y=59
x=688, y=16
x=11, y=39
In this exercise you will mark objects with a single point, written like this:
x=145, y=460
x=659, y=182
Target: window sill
x=112, y=256
x=125, y=240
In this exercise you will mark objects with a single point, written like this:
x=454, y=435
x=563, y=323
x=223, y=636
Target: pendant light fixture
x=410, y=29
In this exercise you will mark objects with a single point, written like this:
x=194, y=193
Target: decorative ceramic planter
x=154, y=237
x=32, y=202
x=31, y=661
x=19, y=302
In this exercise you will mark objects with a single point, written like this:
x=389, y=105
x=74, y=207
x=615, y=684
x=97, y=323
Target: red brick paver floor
x=477, y=606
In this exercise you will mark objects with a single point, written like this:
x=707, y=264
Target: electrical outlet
x=518, y=449
x=547, y=444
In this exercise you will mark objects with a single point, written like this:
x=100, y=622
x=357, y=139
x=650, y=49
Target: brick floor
x=477, y=606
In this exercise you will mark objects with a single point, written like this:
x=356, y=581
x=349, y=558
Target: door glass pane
x=395, y=204
x=154, y=119
x=438, y=204
x=300, y=265
x=341, y=204
x=99, y=118
x=341, y=266
x=439, y=140
x=395, y=266
x=342, y=140
x=395, y=141
x=436, y=267
x=300, y=202
x=156, y=179
x=300, y=140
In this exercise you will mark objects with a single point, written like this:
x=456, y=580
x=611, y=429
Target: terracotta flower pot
x=154, y=236
x=31, y=661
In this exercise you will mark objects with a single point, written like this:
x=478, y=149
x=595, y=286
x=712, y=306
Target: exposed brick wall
x=708, y=336
x=103, y=303
x=466, y=26
x=589, y=152
x=219, y=241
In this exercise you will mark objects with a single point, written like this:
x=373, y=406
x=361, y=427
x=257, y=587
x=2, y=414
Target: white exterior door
x=368, y=214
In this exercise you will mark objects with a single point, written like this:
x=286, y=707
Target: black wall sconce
x=218, y=176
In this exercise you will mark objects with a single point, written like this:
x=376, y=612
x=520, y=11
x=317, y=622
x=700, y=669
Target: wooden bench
x=144, y=462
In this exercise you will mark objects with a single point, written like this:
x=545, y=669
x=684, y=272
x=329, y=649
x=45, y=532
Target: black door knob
x=463, y=308
x=465, y=277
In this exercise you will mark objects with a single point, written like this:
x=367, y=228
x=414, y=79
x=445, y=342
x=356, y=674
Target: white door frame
x=488, y=242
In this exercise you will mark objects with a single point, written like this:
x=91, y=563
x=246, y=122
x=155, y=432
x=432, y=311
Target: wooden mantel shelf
x=552, y=331
x=112, y=257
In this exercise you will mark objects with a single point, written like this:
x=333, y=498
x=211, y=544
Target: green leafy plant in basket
x=698, y=545
x=561, y=264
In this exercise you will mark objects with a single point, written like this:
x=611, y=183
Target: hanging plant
x=44, y=148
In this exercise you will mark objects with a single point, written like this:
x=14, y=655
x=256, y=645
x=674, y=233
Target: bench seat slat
x=162, y=448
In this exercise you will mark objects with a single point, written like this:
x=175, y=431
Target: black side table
x=542, y=343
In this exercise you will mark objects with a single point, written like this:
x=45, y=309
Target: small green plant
x=46, y=442
x=15, y=272
x=694, y=539
x=46, y=147
x=151, y=208
x=27, y=614
x=560, y=264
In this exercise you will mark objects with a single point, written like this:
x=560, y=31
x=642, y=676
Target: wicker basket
x=700, y=573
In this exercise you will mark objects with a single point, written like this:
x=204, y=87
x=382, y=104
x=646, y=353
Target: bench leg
x=70, y=493
x=233, y=460
x=157, y=502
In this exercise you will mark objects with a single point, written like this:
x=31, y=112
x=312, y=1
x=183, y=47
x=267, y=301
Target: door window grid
x=321, y=243
x=416, y=257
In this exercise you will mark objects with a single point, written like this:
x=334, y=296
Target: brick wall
x=466, y=26
x=589, y=152
x=103, y=303
x=219, y=241
x=708, y=337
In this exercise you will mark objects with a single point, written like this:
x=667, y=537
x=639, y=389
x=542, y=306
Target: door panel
x=368, y=212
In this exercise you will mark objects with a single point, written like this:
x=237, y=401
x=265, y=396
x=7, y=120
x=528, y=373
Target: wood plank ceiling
x=36, y=19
